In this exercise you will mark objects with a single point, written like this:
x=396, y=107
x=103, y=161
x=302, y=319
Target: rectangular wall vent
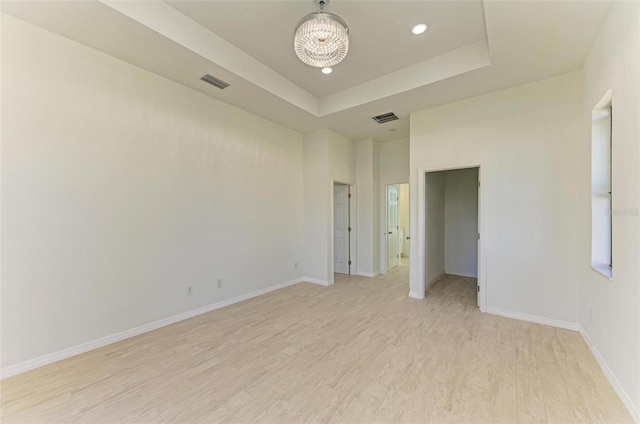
x=215, y=81
x=385, y=117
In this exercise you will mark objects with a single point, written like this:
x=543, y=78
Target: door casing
x=352, y=237
x=383, y=223
x=417, y=199
x=341, y=224
x=393, y=225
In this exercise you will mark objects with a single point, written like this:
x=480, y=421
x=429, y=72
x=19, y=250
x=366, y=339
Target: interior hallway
x=358, y=351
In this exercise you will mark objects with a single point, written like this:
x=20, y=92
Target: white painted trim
x=367, y=274
x=417, y=271
x=567, y=325
x=433, y=280
x=251, y=295
x=415, y=295
x=315, y=281
x=460, y=274
x=604, y=270
x=113, y=338
x=482, y=265
x=382, y=206
x=352, y=237
x=617, y=387
x=417, y=231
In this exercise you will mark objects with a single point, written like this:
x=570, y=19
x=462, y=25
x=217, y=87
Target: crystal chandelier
x=322, y=38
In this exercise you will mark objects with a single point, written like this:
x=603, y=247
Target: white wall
x=527, y=140
x=328, y=157
x=394, y=168
x=376, y=208
x=434, y=226
x=342, y=154
x=120, y=188
x=394, y=161
x=342, y=168
x=461, y=222
x=367, y=207
x=609, y=311
x=316, y=207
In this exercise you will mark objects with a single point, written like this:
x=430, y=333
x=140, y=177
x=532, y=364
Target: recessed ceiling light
x=419, y=29
x=327, y=70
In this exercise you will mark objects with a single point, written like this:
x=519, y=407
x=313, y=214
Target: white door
x=392, y=226
x=341, y=229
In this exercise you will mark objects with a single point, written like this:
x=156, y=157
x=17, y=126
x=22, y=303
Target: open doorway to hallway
x=395, y=221
x=452, y=236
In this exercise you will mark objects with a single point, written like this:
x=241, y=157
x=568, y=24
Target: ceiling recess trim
x=172, y=24
x=167, y=21
x=456, y=62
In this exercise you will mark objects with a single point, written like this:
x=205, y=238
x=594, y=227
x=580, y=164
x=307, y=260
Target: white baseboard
x=534, y=318
x=433, y=280
x=367, y=274
x=315, y=281
x=415, y=295
x=251, y=295
x=617, y=387
x=49, y=358
x=460, y=274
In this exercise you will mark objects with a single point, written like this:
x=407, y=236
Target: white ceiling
x=471, y=47
x=452, y=24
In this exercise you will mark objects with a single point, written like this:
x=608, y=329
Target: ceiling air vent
x=385, y=117
x=215, y=81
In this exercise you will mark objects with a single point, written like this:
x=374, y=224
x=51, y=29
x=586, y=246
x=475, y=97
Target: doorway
x=341, y=229
x=395, y=226
x=450, y=219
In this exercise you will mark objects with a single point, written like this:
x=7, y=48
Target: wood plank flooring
x=359, y=351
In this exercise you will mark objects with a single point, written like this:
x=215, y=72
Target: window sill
x=604, y=270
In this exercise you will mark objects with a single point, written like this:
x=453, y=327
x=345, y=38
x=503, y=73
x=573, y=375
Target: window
x=601, y=187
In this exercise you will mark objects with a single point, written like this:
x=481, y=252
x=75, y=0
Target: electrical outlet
x=189, y=290
x=295, y=265
x=219, y=283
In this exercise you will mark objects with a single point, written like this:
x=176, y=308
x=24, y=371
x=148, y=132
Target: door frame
x=352, y=234
x=396, y=227
x=383, y=222
x=346, y=229
x=418, y=268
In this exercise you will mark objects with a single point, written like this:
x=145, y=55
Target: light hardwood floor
x=359, y=351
